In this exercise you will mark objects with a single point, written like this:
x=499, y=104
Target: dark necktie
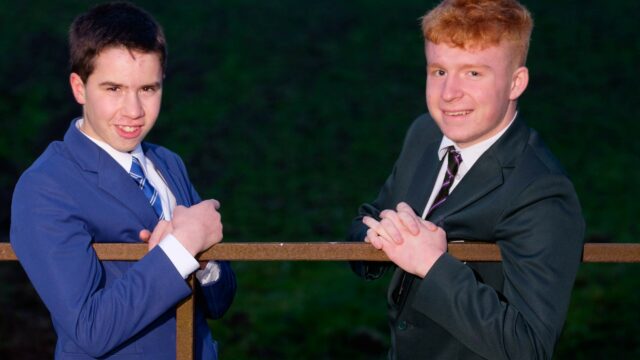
x=149, y=191
x=453, y=163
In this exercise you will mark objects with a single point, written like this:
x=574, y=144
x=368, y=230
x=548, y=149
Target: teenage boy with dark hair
x=103, y=184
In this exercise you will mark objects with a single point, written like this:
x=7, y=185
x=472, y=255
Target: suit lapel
x=484, y=176
x=424, y=178
x=111, y=177
x=487, y=173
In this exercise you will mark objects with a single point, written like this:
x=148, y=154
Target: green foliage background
x=292, y=113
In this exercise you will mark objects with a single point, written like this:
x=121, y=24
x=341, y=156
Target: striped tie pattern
x=453, y=163
x=149, y=191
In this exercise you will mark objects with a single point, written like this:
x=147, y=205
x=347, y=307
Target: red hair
x=479, y=24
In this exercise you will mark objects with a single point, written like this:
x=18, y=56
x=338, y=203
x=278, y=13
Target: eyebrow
x=109, y=83
x=156, y=84
x=463, y=66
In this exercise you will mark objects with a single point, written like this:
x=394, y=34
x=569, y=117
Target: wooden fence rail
x=319, y=251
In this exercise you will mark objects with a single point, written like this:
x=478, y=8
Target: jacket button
x=402, y=325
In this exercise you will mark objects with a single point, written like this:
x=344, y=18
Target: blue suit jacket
x=75, y=195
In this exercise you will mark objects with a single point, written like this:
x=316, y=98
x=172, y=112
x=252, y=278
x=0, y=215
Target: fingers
x=385, y=228
x=392, y=225
x=198, y=227
x=408, y=218
x=374, y=239
x=213, y=202
x=404, y=207
x=406, y=212
x=376, y=226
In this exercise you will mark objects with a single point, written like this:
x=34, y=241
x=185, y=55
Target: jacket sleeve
x=53, y=243
x=368, y=270
x=219, y=294
x=540, y=238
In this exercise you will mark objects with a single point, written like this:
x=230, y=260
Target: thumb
x=159, y=232
x=144, y=235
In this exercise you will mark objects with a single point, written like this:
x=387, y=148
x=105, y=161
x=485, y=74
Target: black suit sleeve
x=366, y=269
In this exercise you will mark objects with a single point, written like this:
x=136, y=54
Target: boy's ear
x=519, y=82
x=77, y=88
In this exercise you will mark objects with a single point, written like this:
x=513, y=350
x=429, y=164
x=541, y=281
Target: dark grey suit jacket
x=515, y=195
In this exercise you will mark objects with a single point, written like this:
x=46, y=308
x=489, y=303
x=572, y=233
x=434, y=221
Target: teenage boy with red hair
x=472, y=170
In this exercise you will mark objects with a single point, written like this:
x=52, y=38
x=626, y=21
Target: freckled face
x=121, y=98
x=471, y=94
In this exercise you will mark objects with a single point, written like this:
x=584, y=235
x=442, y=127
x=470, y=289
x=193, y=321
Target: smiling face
x=121, y=98
x=471, y=94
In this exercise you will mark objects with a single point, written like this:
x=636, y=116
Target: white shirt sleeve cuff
x=179, y=256
x=210, y=274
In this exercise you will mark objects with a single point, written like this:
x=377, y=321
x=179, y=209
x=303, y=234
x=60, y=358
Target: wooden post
x=184, y=325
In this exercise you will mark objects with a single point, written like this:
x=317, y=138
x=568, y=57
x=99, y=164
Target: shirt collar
x=122, y=158
x=472, y=153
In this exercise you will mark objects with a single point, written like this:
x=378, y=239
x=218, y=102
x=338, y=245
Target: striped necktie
x=149, y=191
x=453, y=163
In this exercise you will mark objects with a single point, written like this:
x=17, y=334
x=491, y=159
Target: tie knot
x=453, y=162
x=454, y=156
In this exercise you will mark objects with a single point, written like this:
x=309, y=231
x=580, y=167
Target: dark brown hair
x=115, y=24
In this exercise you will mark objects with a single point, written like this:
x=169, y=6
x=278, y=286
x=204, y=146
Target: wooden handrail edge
x=342, y=251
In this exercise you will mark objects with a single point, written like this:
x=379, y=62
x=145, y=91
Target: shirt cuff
x=210, y=274
x=179, y=256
